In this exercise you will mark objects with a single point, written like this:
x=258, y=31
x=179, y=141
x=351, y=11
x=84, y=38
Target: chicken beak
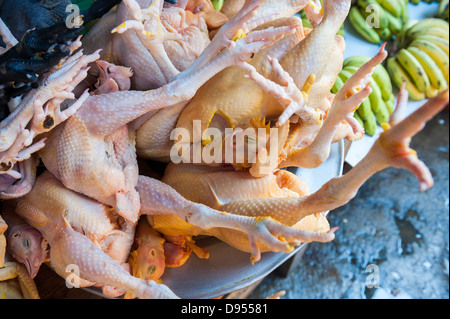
x=103, y=66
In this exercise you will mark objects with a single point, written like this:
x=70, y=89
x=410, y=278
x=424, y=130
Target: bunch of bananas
x=380, y=104
x=443, y=10
x=427, y=1
x=423, y=60
x=379, y=20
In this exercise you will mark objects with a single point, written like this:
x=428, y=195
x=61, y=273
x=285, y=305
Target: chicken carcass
x=282, y=196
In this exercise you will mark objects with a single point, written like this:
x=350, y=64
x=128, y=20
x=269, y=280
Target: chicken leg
x=345, y=102
x=158, y=198
x=241, y=194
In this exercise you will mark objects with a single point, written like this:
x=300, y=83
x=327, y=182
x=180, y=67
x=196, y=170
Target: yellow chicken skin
x=221, y=188
x=9, y=275
x=3, y=228
x=240, y=100
x=283, y=85
x=282, y=196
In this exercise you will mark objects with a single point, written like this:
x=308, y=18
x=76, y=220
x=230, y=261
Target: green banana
x=217, y=4
x=365, y=113
x=380, y=75
x=306, y=23
x=382, y=115
x=400, y=76
x=337, y=85
x=359, y=24
x=392, y=6
x=390, y=104
x=356, y=60
x=443, y=10
x=395, y=24
x=434, y=52
x=437, y=78
x=382, y=78
x=375, y=98
x=365, y=110
x=414, y=69
x=378, y=12
x=345, y=75
x=405, y=13
x=402, y=37
x=385, y=34
x=358, y=118
x=351, y=68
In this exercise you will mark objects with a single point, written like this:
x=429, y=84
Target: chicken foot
x=346, y=101
x=13, y=270
x=158, y=198
x=55, y=88
x=98, y=108
x=390, y=150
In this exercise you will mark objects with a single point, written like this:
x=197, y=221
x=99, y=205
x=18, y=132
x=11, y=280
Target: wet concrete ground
x=391, y=236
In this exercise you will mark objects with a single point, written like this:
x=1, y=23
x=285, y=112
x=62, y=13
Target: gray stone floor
x=391, y=232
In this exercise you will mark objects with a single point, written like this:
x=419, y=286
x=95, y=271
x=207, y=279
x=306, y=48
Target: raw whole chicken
x=147, y=67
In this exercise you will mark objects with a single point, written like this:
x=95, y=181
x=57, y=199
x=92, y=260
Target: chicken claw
x=150, y=30
x=227, y=36
x=46, y=118
x=290, y=97
x=56, y=86
x=13, y=270
x=392, y=148
x=355, y=90
x=158, y=198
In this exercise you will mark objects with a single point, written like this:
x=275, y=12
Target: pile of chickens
x=73, y=194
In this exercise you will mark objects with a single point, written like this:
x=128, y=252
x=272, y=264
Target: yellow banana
x=414, y=69
x=399, y=76
x=428, y=24
x=433, y=71
x=434, y=31
x=434, y=52
x=442, y=43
